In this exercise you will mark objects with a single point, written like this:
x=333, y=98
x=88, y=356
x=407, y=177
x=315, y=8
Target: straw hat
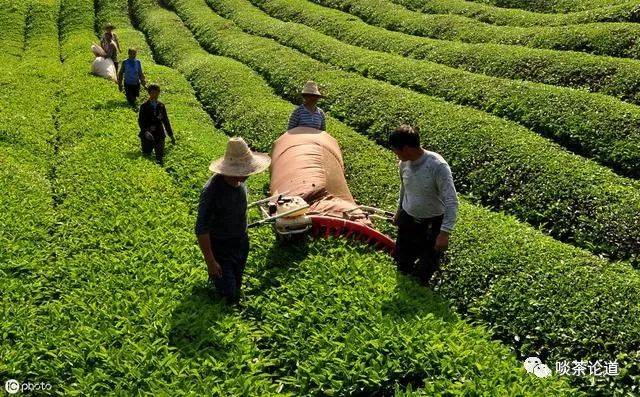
x=238, y=160
x=311, y=88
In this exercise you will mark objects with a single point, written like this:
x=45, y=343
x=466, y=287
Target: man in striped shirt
x=308, y=114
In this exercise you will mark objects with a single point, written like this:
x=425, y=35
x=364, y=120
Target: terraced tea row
x=103, y=301
x=26, y=127
x=614, y=39
x=612, y=76
x=338, y=373
x=521, y=173
x=594, y=125
x=625, y=11
x=553, y=6
x=125, y=288
x=491, y=252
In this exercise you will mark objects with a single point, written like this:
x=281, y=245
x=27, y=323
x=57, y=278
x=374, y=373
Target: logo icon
x=535, y=366
x=12, y=386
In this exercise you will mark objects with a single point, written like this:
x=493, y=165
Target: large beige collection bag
x=307, y=162
x=101, y=66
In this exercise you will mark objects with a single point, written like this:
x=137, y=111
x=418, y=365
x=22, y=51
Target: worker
x=110, y=44
x=131, y=76
x=221, y=225
x=308, y=114
x=427, y=207
x=154, y=124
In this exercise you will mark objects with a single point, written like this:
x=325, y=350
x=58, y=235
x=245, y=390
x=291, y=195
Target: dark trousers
x=156, y=145
x=232, y=255
x=415, y=246
x=132, y=92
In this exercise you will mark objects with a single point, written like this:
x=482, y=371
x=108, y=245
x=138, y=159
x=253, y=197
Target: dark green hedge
x=613, y=76
x=27, y=107
x=613, y=39
x=553, y=5
x=626, y=11
x=502, y=164
x=487, y=248
x=592, y=125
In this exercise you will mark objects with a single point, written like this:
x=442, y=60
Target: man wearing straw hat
x=308, y=114
x=221, y=225
x=110, y=44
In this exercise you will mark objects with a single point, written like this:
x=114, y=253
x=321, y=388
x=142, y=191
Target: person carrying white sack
x=110, y=44
x=103, y=66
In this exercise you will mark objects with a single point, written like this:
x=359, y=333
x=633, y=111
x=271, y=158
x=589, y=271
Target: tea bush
x=612, y=76
x=613, y=39
x=27, y=125
x=503, y=165
x=592, y=125
x=122, y=311
x=104, y=313
x=625, y=11
x=554, y=6
x=494, y=246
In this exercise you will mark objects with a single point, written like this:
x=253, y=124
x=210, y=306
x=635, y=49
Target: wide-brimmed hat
x=311, y=88
x=239, y=160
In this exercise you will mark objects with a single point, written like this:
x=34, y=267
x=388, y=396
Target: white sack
x=98, y=51
x=104, y=67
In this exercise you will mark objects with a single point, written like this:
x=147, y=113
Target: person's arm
x=203, y=232
x=143, y=79
x=294, y=119
x=142, y=118
x=400, y=198
x=115, y=38
x=213, y=267
x=120, y=74
x=447, y=190
x=167, y=124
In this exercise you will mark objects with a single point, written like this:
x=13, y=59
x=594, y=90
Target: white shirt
x=427, y=189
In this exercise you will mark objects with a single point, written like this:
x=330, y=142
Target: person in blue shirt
x=132, y=76
x=308, y=114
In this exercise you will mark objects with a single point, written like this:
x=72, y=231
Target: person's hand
x=442, y=242
x=215, y=270
x=395, y=219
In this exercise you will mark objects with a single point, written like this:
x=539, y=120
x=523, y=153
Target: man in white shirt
x=427, y=208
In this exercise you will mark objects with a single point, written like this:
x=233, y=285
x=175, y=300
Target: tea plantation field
x=534, y=104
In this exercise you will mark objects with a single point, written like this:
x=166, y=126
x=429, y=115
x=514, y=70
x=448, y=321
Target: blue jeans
x=232, y=255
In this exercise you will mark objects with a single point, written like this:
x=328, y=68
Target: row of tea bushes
x=502, y=164
x=260, y=277
x=13, y=14
x=593, y=125
x=488, y=247
x=554, y=6
x=27, y=215
x=613, y=39
x=626, y=11
x=109, y=317
x=612, y=76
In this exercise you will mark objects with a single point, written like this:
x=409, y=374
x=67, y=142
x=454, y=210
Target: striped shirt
x=303, y=117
